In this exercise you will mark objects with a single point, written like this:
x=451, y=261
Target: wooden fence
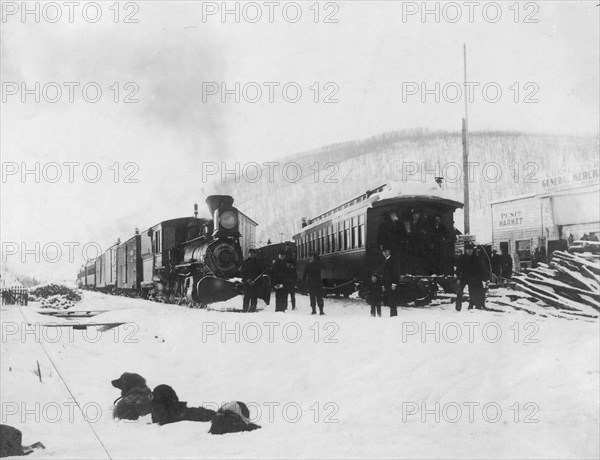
x=16, y=295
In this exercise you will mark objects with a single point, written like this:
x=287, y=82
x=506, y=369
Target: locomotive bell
x=217, y=201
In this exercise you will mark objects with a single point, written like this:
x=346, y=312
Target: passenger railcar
x=269, y=253
x=348, y=239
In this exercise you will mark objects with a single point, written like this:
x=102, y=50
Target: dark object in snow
x=10, y=443
x=135, y=397
x=232, y=417
x=166, y=408
x=48, y=290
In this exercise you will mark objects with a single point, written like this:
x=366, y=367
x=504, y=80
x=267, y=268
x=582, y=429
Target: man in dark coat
x=284, y=278
x=314, y=284
x=507, y=265
x=496, y=265
x=390, y=282
x=374, y=295
x=251, y=270
x=391, y=233
x=470, y=272
x=290, y=281
x=438, y=238
x=417, y=235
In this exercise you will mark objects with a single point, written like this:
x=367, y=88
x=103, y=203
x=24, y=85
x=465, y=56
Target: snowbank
x=340, y=386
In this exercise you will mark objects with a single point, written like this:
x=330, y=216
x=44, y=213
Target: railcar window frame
x=332, y=228
x=361, y=230
x=346, y=235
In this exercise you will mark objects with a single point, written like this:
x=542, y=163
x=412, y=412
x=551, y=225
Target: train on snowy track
x=349, y=240
x=168, y=261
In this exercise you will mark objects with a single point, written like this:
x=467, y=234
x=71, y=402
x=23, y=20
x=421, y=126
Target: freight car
x=86, y=278
x=348, y=239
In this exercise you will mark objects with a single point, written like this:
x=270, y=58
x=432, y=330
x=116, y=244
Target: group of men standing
x=418, y=242
x=283, y=279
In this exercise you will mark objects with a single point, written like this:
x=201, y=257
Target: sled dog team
x=137, y=400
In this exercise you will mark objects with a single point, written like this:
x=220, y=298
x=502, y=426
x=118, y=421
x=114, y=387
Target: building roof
x=546, y=193
x=251, y=220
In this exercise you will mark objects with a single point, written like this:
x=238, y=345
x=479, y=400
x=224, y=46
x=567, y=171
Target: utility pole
x=465, y=141
x=281, y=237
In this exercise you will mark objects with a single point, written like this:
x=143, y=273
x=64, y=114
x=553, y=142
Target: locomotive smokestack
x=304, y=223
x=216, y=201
x=137, y=231
x=195, y=210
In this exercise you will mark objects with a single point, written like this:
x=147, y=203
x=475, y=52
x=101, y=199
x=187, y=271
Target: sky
x=369, y=60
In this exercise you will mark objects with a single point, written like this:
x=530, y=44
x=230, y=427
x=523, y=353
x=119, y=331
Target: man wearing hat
x=251, y=270
x=470, y=272
x=284, y=278
x=389, y=281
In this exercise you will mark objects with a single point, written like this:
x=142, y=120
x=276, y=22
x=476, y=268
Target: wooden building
x=567, y=208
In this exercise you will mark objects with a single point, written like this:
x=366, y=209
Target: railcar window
x=332, y=239
x=354, y=232
x=340, y=241
x=317, y=249
x=346, y=234
x=361, y=230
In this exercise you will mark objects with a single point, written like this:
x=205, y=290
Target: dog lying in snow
x=135, y=397
x=166, y=408
x=232, y=417
x=10, y=443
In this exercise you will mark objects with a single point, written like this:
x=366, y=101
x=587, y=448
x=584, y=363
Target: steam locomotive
x=179, y=260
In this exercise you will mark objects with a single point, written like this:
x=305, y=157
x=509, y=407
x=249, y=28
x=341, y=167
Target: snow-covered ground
x=493, y=384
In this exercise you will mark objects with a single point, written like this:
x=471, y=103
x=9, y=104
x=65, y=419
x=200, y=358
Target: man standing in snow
x=312, y=276
x=390, y=282
x=496, y=266
x=507, y=265
x=470, y=272
x=284, y=277
x=250, y=270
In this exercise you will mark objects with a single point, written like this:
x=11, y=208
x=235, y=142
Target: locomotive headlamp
x=228, y=220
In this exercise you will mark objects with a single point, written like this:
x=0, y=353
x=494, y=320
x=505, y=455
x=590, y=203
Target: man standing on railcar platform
x=250, y=270
x=391, y=233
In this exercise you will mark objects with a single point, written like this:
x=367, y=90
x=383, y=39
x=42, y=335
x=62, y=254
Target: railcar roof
x=384, y=194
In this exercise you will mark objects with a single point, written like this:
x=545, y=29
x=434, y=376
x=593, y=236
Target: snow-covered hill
x=496, y=384
x=503, y=164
